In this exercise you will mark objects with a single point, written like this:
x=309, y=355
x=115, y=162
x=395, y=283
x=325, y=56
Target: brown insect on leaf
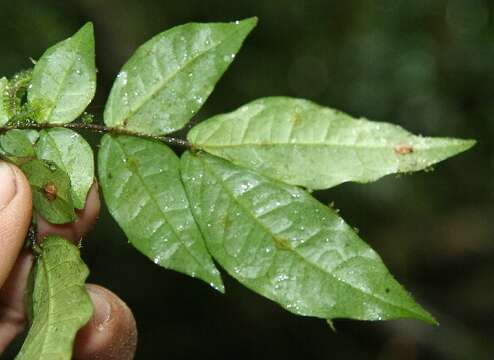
x=50, y=191
x=403, y=149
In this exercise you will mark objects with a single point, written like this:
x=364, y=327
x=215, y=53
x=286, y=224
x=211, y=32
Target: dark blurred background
x=427, y=65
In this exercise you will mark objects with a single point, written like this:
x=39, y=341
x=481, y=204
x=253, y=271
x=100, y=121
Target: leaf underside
x=169, y=78
x=141, y=183
x=302, y=143
x=72, y=154
x=280, y=242
x=18, y=145
x=60, y=306
x=64, y=79
x=52, y=198
x=234, y=198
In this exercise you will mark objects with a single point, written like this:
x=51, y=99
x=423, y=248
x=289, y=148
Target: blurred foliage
x=427, y=65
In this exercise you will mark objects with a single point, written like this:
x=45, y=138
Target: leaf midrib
x=64, y=78
x=49, y=303
x=245, y=209
x=164, y=216
x=160, y=85
x=63, y=165
x=328, y=144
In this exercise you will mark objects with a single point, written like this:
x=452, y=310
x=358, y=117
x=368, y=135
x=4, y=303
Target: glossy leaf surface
x=60, y=303
x=64, y=79
x=18, y=145
x=143, y=191
x=52, y=196
x=302, y=143
x=169, y=78
x=72, y=154
x=282, y=243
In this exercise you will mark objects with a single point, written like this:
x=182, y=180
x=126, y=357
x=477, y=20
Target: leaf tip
x=429, y=319
x=88, y=27
x=218, y=286
x=419, y=313
x=213, y=278
x=86, y=32
x=461, y=145
x=469, y=143
x=249, y=23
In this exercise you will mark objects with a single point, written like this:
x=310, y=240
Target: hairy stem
x=98, y=129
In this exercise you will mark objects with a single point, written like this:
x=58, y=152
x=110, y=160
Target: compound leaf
x=72, y=154
x=51, y=189
x=282, y=243
x=302, y=143
x=169, y=78
x=60, y=303
x=4, y=112
x=144, y=193
x=64, y=79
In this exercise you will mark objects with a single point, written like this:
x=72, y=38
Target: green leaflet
x=169, y=78
x=304, y=144
x=4, y=113
x=144, y=193
x=51, y=189
x=72, y=154
x=282, y=243
x=18, y=145
x=64, y=79
x=61, y=305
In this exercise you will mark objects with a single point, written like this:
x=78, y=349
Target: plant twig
x=98, y=129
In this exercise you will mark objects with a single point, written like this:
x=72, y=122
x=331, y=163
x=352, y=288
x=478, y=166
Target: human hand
x=111, y=333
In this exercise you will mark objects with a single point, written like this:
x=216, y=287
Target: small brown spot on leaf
x=281, y=243
x=50, y=191
x=296, y=119
x=227, y=223
x=403, y=149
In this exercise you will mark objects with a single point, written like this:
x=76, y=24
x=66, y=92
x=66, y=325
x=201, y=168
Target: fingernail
x=8, y=186
x=102, y=309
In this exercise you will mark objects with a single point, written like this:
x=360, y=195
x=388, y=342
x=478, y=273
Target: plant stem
x=98, y=129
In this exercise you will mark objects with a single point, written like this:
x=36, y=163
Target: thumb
x=15, y=216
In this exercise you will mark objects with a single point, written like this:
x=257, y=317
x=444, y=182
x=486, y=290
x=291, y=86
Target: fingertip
x=111, y=333
x=12, y=311
x=15, y=215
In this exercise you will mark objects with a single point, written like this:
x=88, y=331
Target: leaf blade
x=64, y=79
x=142, y=187
x=72, y=154
x=280, y=242
x=169, y=77
x=18, y=145
x=56, y=205
x=302, y=143
x=61, y=305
